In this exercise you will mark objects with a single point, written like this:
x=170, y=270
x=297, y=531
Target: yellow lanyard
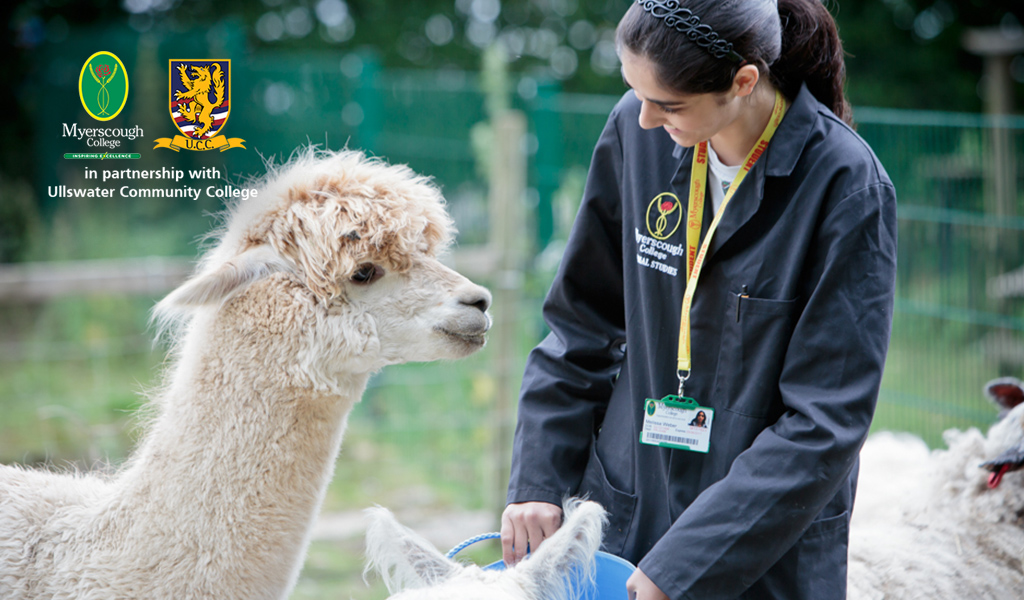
x=695, y=216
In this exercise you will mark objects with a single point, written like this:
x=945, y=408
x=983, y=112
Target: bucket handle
x=471, y=541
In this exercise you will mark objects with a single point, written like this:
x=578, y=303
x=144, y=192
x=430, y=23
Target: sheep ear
x=1005, y=392
x=568, y=555
x=401, y=557
x=215, y=286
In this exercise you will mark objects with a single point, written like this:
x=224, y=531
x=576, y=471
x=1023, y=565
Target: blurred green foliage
x=901, y=53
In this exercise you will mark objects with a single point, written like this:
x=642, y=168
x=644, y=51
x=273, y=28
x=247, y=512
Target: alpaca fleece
x=274, y=339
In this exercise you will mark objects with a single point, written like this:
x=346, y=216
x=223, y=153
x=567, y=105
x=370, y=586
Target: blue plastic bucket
x=610, y=575
x=610, y=572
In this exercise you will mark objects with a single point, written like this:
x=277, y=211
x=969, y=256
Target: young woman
x=768, y=306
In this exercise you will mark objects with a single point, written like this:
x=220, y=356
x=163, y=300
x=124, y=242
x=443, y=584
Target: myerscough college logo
x=103, y=86
x=200, y=102
x=664, y=214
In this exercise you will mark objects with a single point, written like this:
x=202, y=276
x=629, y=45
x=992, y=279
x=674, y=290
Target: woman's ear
x=745, y=81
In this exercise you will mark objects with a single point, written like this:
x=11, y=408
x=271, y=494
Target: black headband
x=684, y=21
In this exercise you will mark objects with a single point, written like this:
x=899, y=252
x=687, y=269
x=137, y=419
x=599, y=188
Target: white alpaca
x=326, y=276
x=413, y=569
x=938, y=526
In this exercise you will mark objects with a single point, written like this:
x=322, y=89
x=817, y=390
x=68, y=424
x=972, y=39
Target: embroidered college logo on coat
x=200, y=103
x=664, y=214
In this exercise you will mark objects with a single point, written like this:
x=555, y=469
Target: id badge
x=677, y=422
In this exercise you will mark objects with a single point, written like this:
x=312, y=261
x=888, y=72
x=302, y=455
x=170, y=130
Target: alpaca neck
x=241, y=430
x=239, y=459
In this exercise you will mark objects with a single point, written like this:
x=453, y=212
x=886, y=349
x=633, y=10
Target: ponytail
x=793, y=43
x=813, y=54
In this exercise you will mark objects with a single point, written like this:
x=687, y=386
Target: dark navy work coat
x=792, y=372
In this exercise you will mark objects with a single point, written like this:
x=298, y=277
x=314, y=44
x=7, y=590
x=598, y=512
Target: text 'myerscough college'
x=106, y=137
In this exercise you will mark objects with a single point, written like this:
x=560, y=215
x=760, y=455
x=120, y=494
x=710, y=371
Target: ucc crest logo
x=103, y=86
x=200, y=103
x=664, y=214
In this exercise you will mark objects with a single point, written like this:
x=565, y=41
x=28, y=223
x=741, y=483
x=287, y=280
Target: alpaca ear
x=568, y=555
x=401, y=557
x=215, y=286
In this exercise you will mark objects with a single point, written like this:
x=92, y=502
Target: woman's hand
x=640, y=587
x=527, y=523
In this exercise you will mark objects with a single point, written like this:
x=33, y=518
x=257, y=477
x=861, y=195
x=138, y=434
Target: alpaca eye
x=367, y=273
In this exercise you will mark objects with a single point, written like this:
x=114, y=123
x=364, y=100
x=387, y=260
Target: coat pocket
x=813, y=569
x=619, y=504
x=755, y=336
x=818, y=560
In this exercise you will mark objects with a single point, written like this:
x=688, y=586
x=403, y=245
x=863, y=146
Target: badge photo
x=677, y=422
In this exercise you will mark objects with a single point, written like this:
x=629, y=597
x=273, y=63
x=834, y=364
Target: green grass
x=335, y=570
x=70, y=376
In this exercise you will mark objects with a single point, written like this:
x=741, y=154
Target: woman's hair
x=793, y=42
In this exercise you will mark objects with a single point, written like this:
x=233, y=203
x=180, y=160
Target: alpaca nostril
x=480, y=299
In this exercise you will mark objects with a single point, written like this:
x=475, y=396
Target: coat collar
x=779, y=160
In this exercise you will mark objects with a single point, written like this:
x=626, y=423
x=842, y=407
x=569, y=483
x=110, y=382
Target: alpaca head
x=332, y=269
x=413, y=569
